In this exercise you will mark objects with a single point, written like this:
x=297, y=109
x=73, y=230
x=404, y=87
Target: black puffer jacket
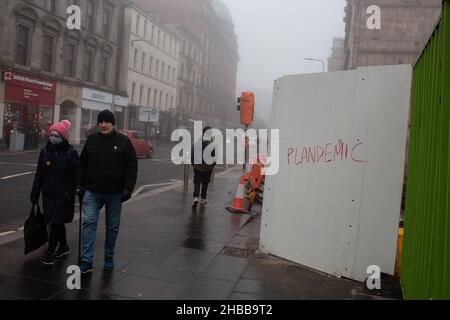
x=56, y=177
x=108, y=164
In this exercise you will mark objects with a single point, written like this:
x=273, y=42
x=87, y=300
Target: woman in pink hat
x=56, y=179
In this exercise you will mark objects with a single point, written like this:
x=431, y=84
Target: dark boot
x=48, y=258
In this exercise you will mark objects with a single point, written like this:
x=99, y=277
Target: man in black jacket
x=107, y=176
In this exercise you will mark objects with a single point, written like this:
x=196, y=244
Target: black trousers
x=201, y=181
x=57, y=236
x=204, y=189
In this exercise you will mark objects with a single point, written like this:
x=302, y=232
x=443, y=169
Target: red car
x=143, y=147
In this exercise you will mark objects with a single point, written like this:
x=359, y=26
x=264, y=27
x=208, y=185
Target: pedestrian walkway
x=167, y=251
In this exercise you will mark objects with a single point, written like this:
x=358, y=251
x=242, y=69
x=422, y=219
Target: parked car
x=142, y=145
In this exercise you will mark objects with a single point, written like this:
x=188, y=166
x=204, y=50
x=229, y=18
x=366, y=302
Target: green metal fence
x=425, y=269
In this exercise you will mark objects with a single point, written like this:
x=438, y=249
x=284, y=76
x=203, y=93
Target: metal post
x=246, y=149
x=186, y=172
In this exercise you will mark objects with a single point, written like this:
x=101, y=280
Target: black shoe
x=109, y=263
x=62, y=251
x=48, y=258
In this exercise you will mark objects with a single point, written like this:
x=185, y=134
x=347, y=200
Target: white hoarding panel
x=334, y=205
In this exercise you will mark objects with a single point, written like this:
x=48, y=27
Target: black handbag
x=35, y=231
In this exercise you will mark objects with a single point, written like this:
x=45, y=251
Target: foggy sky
x=275, y=36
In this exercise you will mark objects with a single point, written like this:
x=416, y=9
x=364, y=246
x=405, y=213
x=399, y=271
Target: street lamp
x=323, y=63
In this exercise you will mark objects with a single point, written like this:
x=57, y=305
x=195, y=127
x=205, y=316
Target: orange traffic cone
x=238, y=205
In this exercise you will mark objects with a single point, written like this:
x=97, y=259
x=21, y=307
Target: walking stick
x=79, y=229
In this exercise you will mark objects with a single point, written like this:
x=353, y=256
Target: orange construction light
x=247, y=107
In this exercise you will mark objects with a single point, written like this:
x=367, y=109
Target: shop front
x=120, y=105
x=29, y=104
x=92, y=104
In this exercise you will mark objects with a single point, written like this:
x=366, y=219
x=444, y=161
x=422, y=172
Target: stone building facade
x=50, y=72
x=405, y=27
x=149, y=69
x=208, y=59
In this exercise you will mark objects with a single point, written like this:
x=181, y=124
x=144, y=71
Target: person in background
x=55, y=177
x=107, y=177
x=46, y=132
x=7, y=133
x=202, y=171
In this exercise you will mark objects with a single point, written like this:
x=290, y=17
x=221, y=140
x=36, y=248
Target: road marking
x=20, y=229
x=6, y=233
x=162, y=160
x=19, y=164
x=138, y=191
x=16, y=175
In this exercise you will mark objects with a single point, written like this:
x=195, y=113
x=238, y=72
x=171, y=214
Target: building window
x=140, y=94
x=133, y=90
x=23, y=39
x=145, y=29
x=47, y=61
x=91, y=15
x=167, y=100
x=173, y=75
x=163, y=69
x=168, y=73
x=144, y=56
x=69, y=62
x=157, y=67
x=153, y=34
x=148, y=96
x=160, y=98
x=87, y=66
x=52, y=6
x=106, y=23
x=138, y=23
x=104, y=71
x=135, y=58
x=171, y=101
x=159, y=37
x=150, y=66
x=155, y=94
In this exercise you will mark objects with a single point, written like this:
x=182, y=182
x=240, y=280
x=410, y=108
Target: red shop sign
x=17, y=79
x=24, y=88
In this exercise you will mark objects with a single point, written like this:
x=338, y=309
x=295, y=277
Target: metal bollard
x=187, y=166
x=186, y=176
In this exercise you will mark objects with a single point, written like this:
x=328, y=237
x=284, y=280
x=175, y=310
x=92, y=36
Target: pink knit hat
x=62, y=128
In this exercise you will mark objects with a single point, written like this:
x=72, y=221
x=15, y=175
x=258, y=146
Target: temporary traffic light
x=246, y=107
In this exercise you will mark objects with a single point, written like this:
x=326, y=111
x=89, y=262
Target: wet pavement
x=166, y=251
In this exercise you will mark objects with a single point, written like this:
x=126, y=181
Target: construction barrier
x=425, y=268
x=248, y=187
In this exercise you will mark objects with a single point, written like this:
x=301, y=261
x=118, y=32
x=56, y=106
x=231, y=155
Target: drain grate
x=238, y=252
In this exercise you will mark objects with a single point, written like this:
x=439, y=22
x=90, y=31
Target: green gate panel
x=425, y=269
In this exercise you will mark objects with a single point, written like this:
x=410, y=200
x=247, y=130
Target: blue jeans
x=92, y=204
